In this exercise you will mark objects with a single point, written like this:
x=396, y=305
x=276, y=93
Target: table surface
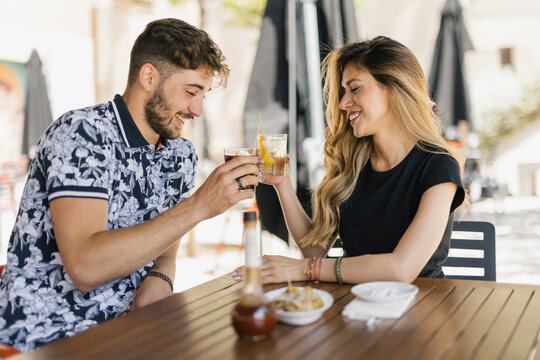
x=448, y=319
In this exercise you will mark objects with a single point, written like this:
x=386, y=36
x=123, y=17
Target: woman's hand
x=275, y=180
x=276, y=269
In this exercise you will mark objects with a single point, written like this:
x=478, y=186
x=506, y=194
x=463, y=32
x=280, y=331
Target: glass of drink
x=273, y=151
x=231, y=153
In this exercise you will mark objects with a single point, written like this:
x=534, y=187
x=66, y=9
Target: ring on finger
x=240, y=186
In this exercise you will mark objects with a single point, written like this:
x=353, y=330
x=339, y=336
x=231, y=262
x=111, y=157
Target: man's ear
x=148, y=77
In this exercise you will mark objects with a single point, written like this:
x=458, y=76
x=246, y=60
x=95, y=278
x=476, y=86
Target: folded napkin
x=359, y=309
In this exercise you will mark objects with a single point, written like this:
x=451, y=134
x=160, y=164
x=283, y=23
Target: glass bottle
x=252, y=317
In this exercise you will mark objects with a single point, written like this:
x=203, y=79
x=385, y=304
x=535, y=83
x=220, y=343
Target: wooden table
x=449, y=319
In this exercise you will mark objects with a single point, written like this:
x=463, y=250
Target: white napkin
x=359, y=309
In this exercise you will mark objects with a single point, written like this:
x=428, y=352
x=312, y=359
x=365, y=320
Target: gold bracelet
x=317, y=270
x=309, y=270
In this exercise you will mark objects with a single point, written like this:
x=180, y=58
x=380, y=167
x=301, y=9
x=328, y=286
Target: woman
x=391, y=185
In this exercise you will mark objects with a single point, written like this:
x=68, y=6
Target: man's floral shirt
x=95, y=152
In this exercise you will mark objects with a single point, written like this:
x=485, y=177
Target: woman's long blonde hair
x=395, y=66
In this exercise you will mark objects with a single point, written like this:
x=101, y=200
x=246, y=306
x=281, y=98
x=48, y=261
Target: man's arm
x=153, y=288
x=93, y=257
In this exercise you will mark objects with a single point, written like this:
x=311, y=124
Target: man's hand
x=151, y=290
x=220, y=191
x=154, y=288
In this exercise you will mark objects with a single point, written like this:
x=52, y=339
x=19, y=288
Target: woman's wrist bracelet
x=318, y=270
x=313, y=270
x=309, y=270
x=338, y=270
x=162, y=277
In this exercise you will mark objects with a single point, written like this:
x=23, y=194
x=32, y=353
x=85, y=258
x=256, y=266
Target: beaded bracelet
x=316, y=274
x=313, y=270
x=309, y=269
x=319, y=272
x=162, y=277
x=338, y=270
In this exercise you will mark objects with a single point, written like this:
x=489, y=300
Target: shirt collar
x=130, y=132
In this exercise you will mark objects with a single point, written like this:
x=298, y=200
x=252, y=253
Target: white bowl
x=301, y=317
x=384, y=291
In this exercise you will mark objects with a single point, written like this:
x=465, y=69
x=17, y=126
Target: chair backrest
x=336, y=250
x=472, y=251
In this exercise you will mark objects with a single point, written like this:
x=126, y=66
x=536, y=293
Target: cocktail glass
x=231, y=153
x=273, y=151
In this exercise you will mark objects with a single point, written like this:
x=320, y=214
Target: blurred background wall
x=503, y=73
x=85, y=44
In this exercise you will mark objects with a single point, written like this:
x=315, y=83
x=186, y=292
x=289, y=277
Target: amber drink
x=252, y=317
x=273, y=151
x=230, y=154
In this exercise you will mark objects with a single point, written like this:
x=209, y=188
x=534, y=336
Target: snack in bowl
x=299, y=305
x=295, y=300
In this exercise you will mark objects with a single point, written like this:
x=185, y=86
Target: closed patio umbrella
x=285, y=88
x=447, y=78
x=37, y=110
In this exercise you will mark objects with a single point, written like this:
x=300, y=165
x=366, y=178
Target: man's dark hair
x=169, y=44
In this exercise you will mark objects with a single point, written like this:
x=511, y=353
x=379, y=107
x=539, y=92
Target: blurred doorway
x=529, y=179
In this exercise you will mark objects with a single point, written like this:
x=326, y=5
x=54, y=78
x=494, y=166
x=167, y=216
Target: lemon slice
x=265, y=155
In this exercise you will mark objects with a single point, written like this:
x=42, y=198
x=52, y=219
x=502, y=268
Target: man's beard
x=154, y=110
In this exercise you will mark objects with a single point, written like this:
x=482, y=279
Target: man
x=106, y=201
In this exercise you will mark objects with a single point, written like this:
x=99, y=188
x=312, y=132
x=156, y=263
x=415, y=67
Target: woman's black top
x=383, y=205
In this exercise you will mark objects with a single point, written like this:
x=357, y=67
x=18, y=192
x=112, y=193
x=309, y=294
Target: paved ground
x=517, y=233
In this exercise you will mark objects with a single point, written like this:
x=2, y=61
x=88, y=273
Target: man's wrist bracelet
x=162, y=277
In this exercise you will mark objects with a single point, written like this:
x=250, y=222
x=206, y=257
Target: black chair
x=336, y=250
x=471, y=235
x=478, y=236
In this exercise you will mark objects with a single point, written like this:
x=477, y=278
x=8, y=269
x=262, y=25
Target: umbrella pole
x=313, y=144
x=291, y=57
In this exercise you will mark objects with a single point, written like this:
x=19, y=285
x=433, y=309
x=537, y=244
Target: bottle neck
x=251, y=245
x=253, y=281
x=253, y=258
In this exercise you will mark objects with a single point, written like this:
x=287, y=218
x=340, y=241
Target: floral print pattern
x=96, y=152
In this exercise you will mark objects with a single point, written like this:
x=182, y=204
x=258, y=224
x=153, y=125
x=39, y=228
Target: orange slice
x=265, y=155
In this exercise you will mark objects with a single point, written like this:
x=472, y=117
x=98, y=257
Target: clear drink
x=273, y=151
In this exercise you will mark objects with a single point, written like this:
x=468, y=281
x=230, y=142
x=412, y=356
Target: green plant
x=505, y=121
x=177, y=2
x=246, y=12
